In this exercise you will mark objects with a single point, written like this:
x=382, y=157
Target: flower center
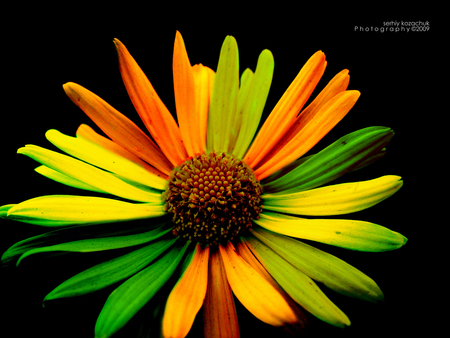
x=213, y=198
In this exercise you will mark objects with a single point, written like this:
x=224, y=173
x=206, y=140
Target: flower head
x=224, y=202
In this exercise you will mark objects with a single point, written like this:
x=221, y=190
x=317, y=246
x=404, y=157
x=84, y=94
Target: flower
x=226, y=206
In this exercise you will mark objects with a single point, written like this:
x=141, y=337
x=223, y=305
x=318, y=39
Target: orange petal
x=187, y=296
x=283, y=115
x=338, y=84
x=247, y=255
x=254, y=291
x=245, y=252
x=184, y=87
x=220, y=318
x=156, y=117
x=118, y=127
x=311, y=132
x=204, y=80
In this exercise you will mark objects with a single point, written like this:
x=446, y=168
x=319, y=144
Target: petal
x=87, y=133
x=254, y=102
x=95, y=154
x=348, y=234
x=4, y=210
x=204, y=79
x=321, y=266
x=102, y=243
x=255, y=292
x=335, y=199
x=186, y=298
x=72, y=233
x=247, y=255
x=220, y=318
x=346, y=154
x=337, y=85
x=244, y=251
x=313, y=129
x=118, y=127
x=156, y=117
x=64, y=179
x=123, y=303
x=244, y=89
x=185, y=98
x=89, y=174
x=299, y=286
x=284, y=114
x=223, y=120
x=107, y=273
x=369, y=160
x=62, y=210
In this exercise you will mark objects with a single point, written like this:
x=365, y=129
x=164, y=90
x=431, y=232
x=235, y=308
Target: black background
x=398, y=74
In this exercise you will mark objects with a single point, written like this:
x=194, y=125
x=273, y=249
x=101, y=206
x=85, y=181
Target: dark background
x=398, y=74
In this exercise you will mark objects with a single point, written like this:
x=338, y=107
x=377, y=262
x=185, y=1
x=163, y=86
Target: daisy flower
x=225, y=204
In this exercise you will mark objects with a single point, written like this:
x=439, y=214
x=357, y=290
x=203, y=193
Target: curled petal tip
x=403, y=239
x=117, y=43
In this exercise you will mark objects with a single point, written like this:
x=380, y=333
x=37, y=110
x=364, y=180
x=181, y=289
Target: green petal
x=254, y=102
x=133, y=294
x=322, y=267
x=101, y=157
x=4, y=210
x=334, y=199
x=101, y=244
x=334, y=161
x=110, y=272
x=288, y=168
x=244, y=89
x=348, y=234
x=370, y=160
x=62, y=210
x=88, y=174
x=76, y=232
x=298, y=285
x=223, y=122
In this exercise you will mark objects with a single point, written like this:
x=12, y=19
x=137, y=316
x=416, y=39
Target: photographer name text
x=396, y=27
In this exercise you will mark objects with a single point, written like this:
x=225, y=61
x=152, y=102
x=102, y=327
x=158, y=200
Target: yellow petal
x=60, y=210
x=87, y=133
x=64, y=179
x=349, y=234
x=99, y=156
x=220, y=318
x=204, y=80
x=335, y=199
x=156, y=117
x=187, y=296
x=254, y=291
x=89, y=174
